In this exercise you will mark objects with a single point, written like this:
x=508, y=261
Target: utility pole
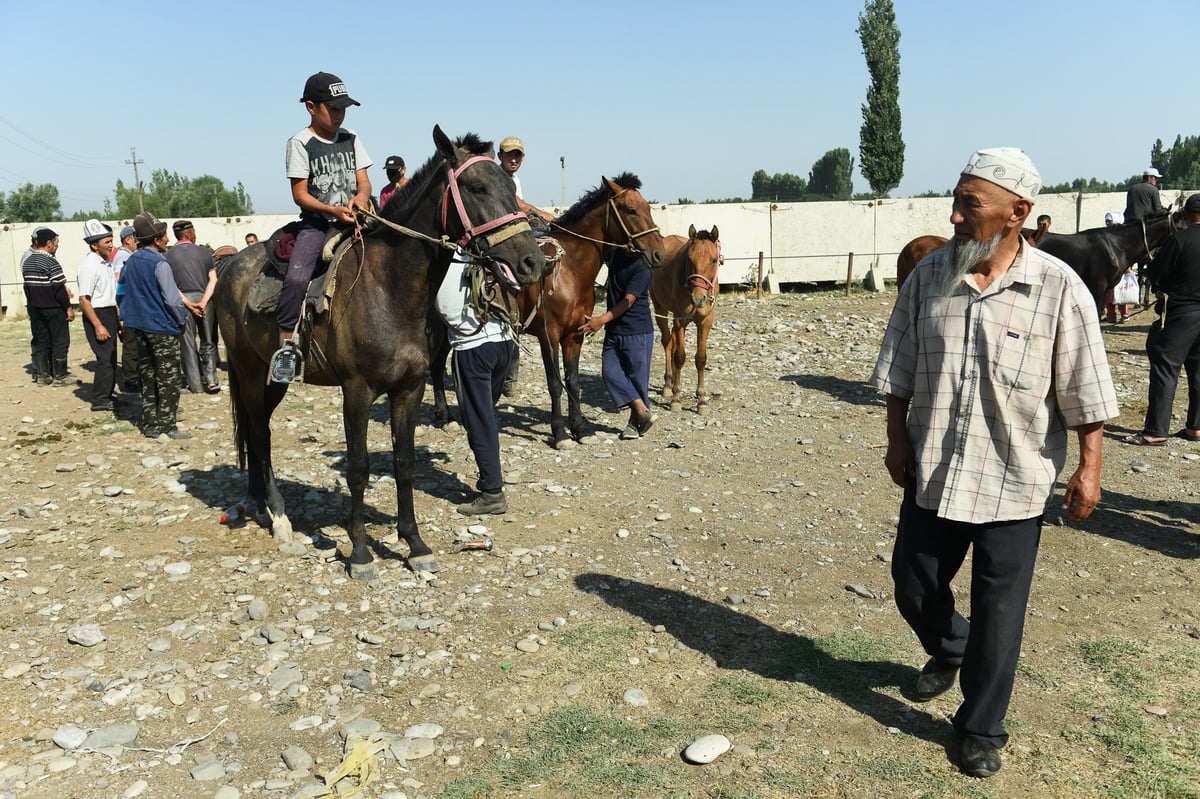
x=216, y=201
x=136, y=178
x=562, y=162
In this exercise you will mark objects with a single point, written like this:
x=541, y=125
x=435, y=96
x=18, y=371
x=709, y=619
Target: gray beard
x=962, y=257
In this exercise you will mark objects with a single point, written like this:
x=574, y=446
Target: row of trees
x=168, y=195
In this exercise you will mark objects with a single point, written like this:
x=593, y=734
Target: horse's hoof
x=363, y=571
x=676, y=407
x=281, y=528
x=423, y=563
x=566, y=443
x=702, y=410
x=587, y=440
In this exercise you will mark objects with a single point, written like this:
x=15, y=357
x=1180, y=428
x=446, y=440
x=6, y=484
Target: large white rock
x=707, y=749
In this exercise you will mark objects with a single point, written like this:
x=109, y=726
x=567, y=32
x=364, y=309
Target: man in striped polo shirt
x=49, y=306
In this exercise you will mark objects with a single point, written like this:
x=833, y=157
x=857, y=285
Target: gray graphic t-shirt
x=329, y=166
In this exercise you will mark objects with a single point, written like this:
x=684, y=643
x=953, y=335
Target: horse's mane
x=593, y=197
x=704, y=235
x=400, y=205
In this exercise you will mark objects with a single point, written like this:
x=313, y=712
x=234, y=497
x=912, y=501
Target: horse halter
x=629, y=236
x=513, y=224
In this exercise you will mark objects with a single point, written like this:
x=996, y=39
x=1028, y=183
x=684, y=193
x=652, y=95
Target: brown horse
x=685, y=291
x=372, y=339
x=612, y=214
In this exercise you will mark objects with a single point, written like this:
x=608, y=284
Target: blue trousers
x=625, y=367
x=478, y=378
x=928, y=554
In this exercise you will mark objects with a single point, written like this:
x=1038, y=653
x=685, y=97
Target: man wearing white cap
x=993, y=349
x=98, y=302
x=1142, y=200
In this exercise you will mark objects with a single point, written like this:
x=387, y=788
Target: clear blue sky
x=693, y=97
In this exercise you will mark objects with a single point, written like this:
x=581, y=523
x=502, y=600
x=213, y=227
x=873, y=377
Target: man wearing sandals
x=992, y=351
x=1174, y=338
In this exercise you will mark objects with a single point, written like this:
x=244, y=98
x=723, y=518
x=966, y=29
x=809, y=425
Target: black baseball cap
x=327, y=88
x=393, y=162
x=1192, y=205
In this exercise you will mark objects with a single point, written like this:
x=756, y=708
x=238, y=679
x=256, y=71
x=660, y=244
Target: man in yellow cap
x=512, y=155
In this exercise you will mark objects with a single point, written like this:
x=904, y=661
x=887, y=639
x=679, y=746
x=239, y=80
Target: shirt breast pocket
x=1022, y=370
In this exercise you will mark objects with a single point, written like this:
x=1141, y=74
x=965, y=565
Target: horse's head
x=628, y=220
x=703, y=257
x=479, y=209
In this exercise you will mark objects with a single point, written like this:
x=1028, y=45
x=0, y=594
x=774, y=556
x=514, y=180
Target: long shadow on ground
x=738, y=641
x=855, y=392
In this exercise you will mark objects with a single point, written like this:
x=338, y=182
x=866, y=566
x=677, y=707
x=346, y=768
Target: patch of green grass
x=1106, y=653
x=596, y=646
x=582, y=753
x=1043, y=679
x=743, y=691
x=298, y=406
x=789, y=782
x=286, y=706
x=473, y=788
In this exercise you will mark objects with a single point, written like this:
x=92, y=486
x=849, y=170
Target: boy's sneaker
x=285, y=364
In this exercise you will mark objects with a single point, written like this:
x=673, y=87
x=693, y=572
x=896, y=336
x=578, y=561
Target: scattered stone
x=85, y=634
x=112, y=735
x=69, y=737
x=227, y=792
x=706, y=749
x=636, y=697
x=860, y=590
x=413, y=748
x=136, y=788
x=212, y=770
x=258, y=609
x=64, y=467
x=296, y=759
x=178, y=569
x=425, y=729
x=528, y=645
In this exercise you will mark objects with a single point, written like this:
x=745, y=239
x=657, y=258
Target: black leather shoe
x=936, y=679
x=487, y=502
x=978, y=758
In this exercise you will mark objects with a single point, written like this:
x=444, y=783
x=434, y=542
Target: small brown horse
x=684, y=291
x=612, y=214
x=372, y=339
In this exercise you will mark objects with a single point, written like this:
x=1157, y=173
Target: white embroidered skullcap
x=1007, y=167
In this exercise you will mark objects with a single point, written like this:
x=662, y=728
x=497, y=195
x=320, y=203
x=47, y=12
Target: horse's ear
x=445, y=147
x=713, y=233
x=613, y=187
x=692, y=232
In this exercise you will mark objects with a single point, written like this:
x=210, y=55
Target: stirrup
x=285, y=364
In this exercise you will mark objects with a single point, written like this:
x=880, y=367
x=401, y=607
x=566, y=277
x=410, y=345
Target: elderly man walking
x=992, y=351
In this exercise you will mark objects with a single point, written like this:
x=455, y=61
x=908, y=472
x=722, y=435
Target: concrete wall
x=800, y=242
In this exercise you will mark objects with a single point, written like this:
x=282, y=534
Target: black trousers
x=105, y=352
x=199, y=363
x=478, y=378
x=51, y=332
x=928, y=554
x=1168, y=347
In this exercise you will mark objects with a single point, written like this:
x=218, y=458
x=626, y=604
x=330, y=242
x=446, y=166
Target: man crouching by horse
x=482, y=348
x=993, y=349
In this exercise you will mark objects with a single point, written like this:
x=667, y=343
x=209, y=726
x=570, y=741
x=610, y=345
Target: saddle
x=264, y=294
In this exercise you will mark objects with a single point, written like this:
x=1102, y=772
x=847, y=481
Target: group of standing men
x=155, y=301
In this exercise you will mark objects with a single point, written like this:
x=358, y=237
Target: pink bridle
x=516, y=221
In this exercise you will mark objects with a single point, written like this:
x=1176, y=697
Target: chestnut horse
x=372, y=339
x=612, y=214
x=684, y=291
x=1099, y=256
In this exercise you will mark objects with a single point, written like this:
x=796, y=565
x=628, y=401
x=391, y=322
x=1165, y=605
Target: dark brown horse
x=1100, y=255
x=613, y=214
x=372, y=339
x=684, y=291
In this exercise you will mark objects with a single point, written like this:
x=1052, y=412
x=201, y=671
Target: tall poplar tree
x=880, y=146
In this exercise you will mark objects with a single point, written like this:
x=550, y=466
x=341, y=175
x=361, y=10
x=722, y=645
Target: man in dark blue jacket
x=152, y=306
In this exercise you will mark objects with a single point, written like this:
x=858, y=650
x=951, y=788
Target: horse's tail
x=239, y=420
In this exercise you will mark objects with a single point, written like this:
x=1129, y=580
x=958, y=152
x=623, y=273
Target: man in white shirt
x=98, y=301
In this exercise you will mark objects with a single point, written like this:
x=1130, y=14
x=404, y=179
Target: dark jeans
x=199, y=363
x=129, y=355
x=159, y=373
x=478, y=377
x=301, y=266
x=928, y=554
x=105, y=352
x=51, y=332
x=1170, y=346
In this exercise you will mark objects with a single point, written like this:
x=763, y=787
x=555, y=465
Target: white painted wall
x=800, y=242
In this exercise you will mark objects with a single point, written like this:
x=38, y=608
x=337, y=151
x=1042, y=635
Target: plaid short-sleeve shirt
x=994, y=379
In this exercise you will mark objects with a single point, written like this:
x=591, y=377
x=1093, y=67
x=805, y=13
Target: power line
x=73, y=159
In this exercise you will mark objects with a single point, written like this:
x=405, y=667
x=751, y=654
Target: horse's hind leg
x=254, y=402
x=554, y=384
x=356, y=406
x=405, y=405
x=664, y=329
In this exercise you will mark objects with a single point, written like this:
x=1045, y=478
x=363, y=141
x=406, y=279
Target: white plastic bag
x=1126, y=292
